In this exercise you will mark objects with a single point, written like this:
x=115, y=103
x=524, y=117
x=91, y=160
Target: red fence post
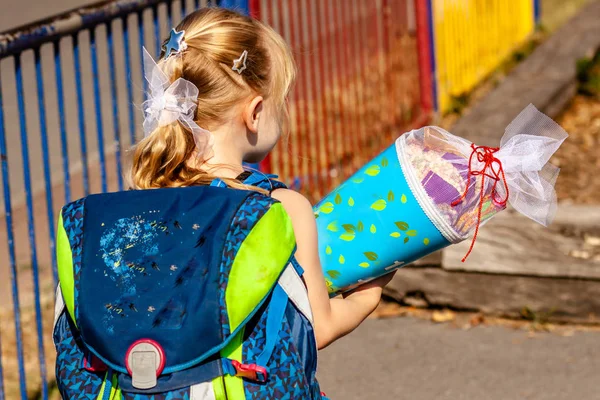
x=425, y=51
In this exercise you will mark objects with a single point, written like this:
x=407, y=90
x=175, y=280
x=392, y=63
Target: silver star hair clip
x=175, y=44
x=239, y=65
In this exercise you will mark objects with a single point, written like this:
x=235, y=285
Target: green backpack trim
x=260, y=260
x=64, y=258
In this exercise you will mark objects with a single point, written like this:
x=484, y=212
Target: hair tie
x=172, y=102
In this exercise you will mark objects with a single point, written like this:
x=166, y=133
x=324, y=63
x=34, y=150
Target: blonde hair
x=215, y=37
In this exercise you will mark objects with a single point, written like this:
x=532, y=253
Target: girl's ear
x=253, y=112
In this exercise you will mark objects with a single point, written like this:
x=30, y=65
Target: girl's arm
x=333, y=318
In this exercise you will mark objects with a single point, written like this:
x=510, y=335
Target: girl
x=182, y=291
x=244, y=109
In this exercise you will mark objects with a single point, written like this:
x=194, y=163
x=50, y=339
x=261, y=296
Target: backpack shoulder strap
x=267, y=182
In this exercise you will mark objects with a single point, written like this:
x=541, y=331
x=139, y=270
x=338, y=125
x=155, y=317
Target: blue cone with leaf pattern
x=371, y=225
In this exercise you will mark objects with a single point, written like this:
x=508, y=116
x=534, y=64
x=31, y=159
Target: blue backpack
x=182, y=293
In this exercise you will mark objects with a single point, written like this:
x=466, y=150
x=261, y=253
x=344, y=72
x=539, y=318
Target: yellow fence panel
x=472, y=37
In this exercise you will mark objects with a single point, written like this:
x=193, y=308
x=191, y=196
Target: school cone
x=430, y=189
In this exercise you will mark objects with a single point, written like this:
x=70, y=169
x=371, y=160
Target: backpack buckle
x=145, y=361
x=252, y=372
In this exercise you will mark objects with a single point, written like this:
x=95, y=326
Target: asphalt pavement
x=405, y=358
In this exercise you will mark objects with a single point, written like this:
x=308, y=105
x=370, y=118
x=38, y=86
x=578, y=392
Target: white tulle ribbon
x=172, y=102
x=460, y=189
x=525, y=151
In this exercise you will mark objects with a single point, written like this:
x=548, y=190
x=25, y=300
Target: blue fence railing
x=72, y=130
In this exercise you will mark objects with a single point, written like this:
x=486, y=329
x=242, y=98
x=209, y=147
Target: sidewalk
x=412, y=359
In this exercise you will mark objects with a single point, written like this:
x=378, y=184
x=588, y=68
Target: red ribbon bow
x=491, y=169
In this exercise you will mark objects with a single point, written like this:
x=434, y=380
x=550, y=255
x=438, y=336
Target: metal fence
x=68, y=86
x=68, y=89
x=359, y=84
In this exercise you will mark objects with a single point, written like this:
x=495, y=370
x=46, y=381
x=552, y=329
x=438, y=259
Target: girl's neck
x=227, y=159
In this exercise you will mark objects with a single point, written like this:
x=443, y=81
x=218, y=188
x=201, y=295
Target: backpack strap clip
x=252, y=372
x=145, y=361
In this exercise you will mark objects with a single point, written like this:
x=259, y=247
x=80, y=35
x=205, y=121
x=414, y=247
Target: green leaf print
x=379, y=205
x=373, y=229
x=342, y=259
x=384, y=162
x=351, y=202
x=348, y=237
x=329, y=284
x=360, y=226
x=391, y=196
x=333, y=274
x=364, y=265
x=349, y=228
x=338, y=199
x=395, y=234
x=426, y=241
x=333, y=226
x=403, y=199
x=406, y=239
x=403, y=226
x=326, y=208
x=371, y=255
x=358, y=180
x=411, y=233
x=373, y=170
x=328, y=250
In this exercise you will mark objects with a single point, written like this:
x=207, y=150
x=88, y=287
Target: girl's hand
x=370, y=293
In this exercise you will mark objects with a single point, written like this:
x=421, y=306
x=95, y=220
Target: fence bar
x=11, y=251
x=318, y=133
x=352, y=58
x=31, y=222
x=335, y=67
x=344, y=74
x=68, y=23
x=142, y=41
x=170, y=15
x=81, y=111
x=329, y=133
x=388, y=61
x=128, y=78
x=98, y=108
x=295, y=158
x=238, y=5
x=115, y=103
x=424, y=53
x=156, y=31
x=364, y=52
x=301, y=48
x=62, y=123
x=286, y=163
x=329, y=34
x=537, y=13
x=431, y=33
x=45, y=157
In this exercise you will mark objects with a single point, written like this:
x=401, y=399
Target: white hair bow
x=170, y=102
